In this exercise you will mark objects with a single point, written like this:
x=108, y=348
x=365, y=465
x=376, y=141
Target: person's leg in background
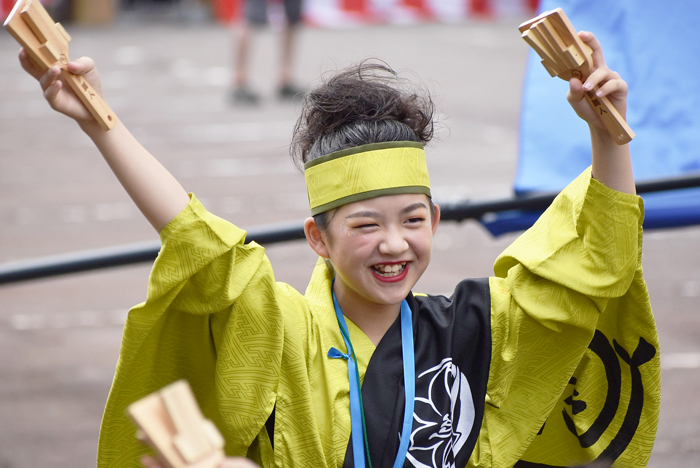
x=254, y=16
x=287, y=90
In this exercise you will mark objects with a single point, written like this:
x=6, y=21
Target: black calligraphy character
x=576, y=405
x=608, y=355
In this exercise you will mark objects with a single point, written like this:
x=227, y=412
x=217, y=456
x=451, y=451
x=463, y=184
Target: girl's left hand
x=611, y=85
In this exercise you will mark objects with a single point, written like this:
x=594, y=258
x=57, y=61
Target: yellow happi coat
x=215, y=316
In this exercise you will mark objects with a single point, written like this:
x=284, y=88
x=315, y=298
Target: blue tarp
x=655, y=46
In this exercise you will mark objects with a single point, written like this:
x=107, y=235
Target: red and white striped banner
x=347, y=13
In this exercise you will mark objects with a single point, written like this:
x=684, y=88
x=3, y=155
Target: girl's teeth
x=390, y=269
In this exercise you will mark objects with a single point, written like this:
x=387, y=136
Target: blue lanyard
x=357, y=416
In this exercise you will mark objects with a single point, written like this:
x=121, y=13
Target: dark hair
x=366, y=103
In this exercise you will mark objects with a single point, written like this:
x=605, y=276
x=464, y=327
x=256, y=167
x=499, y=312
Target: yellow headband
x=366, y=171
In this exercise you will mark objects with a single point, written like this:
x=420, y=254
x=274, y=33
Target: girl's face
x=380, y=248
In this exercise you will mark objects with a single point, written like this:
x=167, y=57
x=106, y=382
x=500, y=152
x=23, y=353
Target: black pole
x=147, y=251
x=123, y=255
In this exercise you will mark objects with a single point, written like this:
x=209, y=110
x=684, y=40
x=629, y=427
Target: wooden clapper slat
x=171, y=422
x=565, y=55
x=46, y=43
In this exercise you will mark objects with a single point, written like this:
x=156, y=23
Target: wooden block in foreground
x=173, y=425
x=46, y=43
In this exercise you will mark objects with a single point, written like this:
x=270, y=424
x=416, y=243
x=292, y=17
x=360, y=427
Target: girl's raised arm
x=155, y=191
x=612, y=164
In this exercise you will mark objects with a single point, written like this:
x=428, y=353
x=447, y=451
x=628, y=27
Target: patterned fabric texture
x=565, y=294
x=582, y=262
x=366, y=171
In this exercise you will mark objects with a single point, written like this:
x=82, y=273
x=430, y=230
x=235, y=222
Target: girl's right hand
x=58, y=94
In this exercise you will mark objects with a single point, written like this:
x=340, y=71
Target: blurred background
x=168, y=72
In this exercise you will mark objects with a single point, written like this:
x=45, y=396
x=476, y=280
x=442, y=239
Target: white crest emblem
x=445, y=417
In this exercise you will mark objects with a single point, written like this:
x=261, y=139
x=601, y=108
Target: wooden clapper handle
x=46, y=43
x=614, y=123
x=94, y=103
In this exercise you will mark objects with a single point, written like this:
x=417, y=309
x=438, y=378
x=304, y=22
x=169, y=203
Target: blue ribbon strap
x=356, y=408
x=356, y=419
x=409, y=382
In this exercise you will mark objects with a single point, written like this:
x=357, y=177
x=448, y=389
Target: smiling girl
x=360, y=370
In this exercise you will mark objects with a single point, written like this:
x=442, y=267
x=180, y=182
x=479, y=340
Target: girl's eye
x=362, y=225
x=415, y=220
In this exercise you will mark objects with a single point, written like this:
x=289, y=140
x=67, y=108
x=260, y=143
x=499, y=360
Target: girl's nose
x=393, y=243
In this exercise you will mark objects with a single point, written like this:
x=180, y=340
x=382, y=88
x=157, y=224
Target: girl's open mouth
x=390, y=272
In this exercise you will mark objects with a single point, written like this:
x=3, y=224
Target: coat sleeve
x=212, y=317
x=575, y=275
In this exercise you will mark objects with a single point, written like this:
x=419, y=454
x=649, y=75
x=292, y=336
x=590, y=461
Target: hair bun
x=367, y=103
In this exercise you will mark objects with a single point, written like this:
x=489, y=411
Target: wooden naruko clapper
x=46, y=43
x=171, y=422
x=565, y=55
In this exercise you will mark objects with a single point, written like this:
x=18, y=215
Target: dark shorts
x=255, y=11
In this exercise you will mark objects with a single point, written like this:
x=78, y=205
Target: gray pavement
x=59, y=338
